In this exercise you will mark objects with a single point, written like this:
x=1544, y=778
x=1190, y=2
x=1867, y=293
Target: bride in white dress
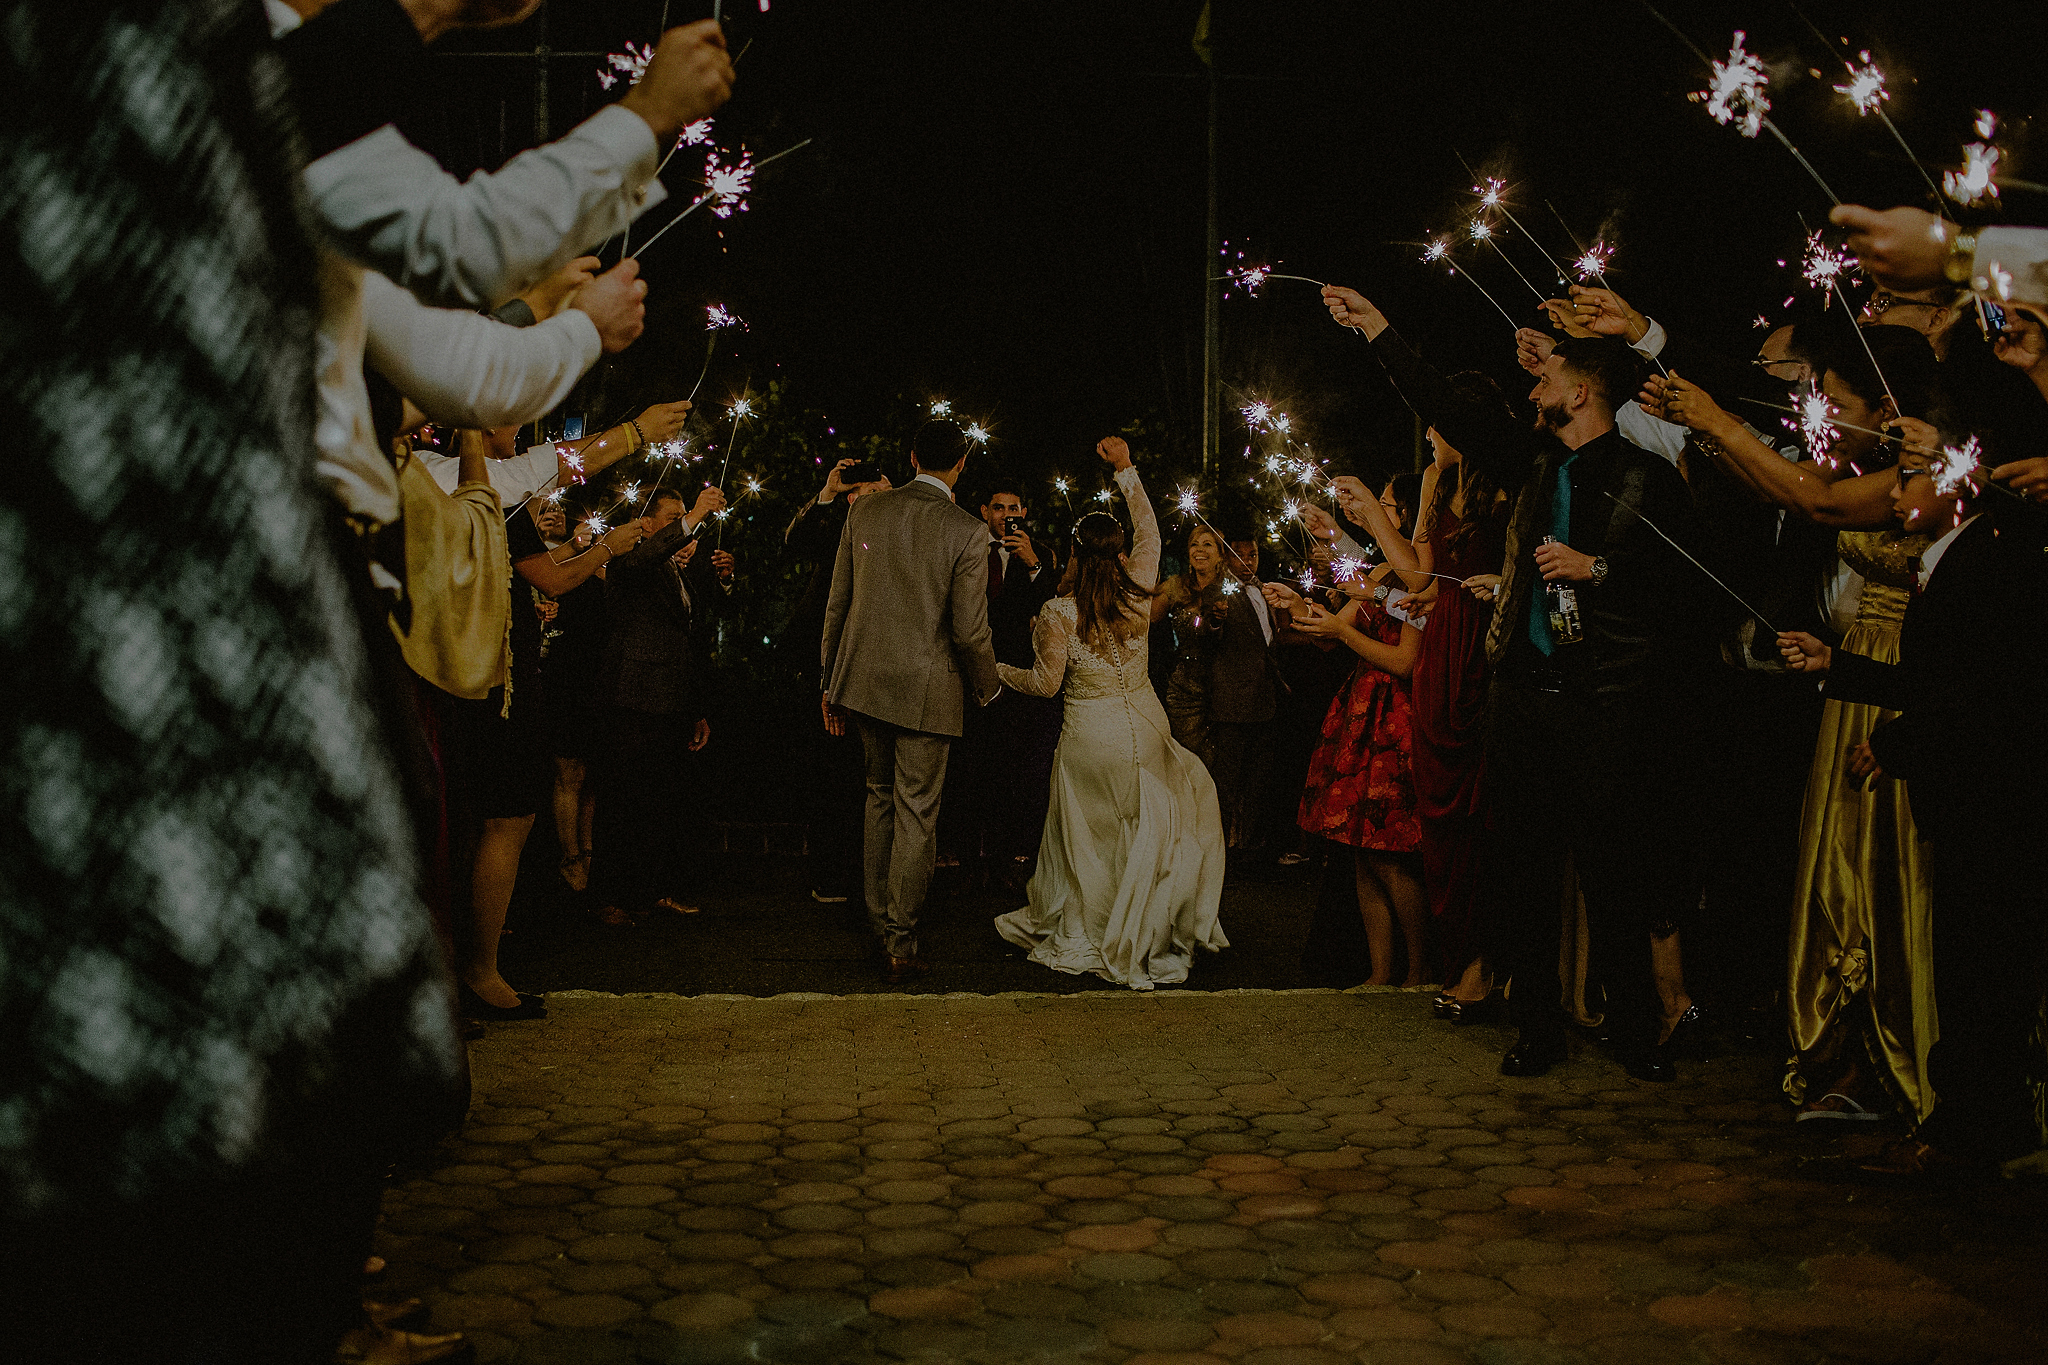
x=1130, y=870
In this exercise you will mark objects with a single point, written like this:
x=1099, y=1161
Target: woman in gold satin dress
x=1861, y=992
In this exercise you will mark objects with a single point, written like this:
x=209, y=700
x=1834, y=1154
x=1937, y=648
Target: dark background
x=1004, y=202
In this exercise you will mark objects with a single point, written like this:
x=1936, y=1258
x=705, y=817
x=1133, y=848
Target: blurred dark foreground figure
x=221, y=1009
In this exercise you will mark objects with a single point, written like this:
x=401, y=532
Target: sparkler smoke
x=1638, y=512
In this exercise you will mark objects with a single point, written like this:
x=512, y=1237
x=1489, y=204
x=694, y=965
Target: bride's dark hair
x=1106, y=597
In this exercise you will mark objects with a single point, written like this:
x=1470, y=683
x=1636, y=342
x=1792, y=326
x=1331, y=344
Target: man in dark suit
x=1244, y=698
x=653, y=688
x=1000, y=773
x=1579, y=757
x=836, y=792
x=1969, y=745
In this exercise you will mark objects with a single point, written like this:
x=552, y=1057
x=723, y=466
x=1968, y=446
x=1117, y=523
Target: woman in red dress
x=1360, y=790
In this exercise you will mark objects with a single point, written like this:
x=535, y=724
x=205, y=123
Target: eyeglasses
x=1881, y=303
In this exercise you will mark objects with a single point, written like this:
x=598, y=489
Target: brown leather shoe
x=898, y=970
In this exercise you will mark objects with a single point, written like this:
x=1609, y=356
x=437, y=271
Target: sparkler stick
x=1823, y=268
x=1596, y=260
x=1695, y=563
x=1957, y=463
x=1439, y=252
x=1481, y=232
x=737, y=181
x=1866, y=91
x=1740, y=95
x=1493, y=196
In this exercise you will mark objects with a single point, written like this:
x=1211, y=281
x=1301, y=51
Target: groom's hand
x=835, y=716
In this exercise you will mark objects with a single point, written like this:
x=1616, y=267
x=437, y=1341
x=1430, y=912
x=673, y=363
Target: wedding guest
x=1360, y=790
x=1972, y=640
x=1001, y=770
x=572, y=651
x=1243, y=696
x=1481, y=453
x=833, y=799
x=654, y=685
x=1579, y=706
x=1194, y=604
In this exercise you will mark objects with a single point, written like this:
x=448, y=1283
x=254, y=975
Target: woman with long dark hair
x=1130, y=869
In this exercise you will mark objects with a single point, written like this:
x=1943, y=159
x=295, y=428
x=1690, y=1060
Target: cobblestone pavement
x=1299, y=1178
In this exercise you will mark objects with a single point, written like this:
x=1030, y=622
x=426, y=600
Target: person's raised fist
x=616, y=302
x=1116, y=450
x=710, y=502
x=663, y=420
x=690, y=76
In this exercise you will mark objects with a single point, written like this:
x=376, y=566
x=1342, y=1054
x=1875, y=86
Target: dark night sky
x=1004, y=203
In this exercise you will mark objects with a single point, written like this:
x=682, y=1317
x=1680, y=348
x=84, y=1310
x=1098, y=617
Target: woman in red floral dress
x=1360, y=789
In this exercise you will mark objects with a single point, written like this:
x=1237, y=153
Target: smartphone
x=1991, y=317
x=867, y=471
x=572, y=428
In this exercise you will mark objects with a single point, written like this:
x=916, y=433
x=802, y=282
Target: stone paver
x=1177, y=1179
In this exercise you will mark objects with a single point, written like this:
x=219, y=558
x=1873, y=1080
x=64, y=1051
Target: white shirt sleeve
x=466, y=370
x=1651, y=433
x=476, y=243
x=515, y=480
x=2011, y=265
x=1654, y=339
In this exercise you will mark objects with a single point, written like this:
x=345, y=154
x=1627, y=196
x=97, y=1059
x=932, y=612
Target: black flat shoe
x=1530, y=1057
x=529, y=1007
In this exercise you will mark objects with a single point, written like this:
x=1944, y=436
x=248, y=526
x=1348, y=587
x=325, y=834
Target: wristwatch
x=1599, y=570
x=1962, y=255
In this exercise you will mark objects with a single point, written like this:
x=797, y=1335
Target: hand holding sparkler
x=552, y=294
x=709, y=503
x=1605, y=313
x=1803, y=653
x=687, y=79
x=1281, y=597
x=1485, y=586
x=723, y=564
x=1349, y=308
x=2028, y=478
x=622, y=538
x=616, y=304
x=1564, y=316
x=1320, y=524
x=663, y=420
x=1676, y=399
x=1532, y=348
x=1900, y=249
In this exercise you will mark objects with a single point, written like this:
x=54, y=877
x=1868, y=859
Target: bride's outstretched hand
x=1116, y=450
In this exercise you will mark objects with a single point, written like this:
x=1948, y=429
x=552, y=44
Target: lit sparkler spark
x=1490, y=193
x=630, y=493
x=1436, y=251
x=1290, y=509
x=1816, y=421
x=1282, y=423
x=1059, y=486
x=1250, y=278
x=1274, y=464
x=726, y=185
x=1957, y=467
x=1481, y=230
x=598, y=525
x=976, y=432
x=1228, y=587
x=553, y=497
x=696, y=134
x=571, y=458
x=1823, y=267
x=669, y=450
x=1593, y=264
x=1347, y=569
x=1190, y=501
x=630, y=65
x=941, y=408
x=1987, y=124
x=722, y=513
x=1103, y=496
x=1739, y=93
x=717, y=316
x=1257, y=415
x=1973, y=184
x=752, y=485
x=743, y=407
x=1866, y=86
x=1308, y=580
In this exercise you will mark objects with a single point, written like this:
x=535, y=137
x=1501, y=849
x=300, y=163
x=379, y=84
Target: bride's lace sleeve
x=1050, y=634
x=1144, y=529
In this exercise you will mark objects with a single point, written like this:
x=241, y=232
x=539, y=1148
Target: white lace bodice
x=1115, y=667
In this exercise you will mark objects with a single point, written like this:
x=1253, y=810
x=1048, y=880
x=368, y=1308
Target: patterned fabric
x=212, y=955
x=1360, y=789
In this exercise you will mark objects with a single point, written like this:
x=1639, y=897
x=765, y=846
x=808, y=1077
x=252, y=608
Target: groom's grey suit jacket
x=908, y=615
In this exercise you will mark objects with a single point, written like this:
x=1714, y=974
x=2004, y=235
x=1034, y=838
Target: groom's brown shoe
x=897, y=970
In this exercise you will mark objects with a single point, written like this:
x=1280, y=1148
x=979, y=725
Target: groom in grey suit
x=906, y=636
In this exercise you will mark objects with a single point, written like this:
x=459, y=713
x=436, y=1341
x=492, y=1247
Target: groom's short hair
x=957, y=461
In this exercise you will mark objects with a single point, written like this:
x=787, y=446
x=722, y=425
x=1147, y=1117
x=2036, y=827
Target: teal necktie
x=1560, y=527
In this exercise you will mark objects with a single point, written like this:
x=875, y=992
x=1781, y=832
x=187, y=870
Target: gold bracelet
x=1962, y=256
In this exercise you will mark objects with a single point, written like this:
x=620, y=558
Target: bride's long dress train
x=1130, y=868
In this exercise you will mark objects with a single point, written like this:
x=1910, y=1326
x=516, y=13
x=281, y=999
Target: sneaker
x=824, y=898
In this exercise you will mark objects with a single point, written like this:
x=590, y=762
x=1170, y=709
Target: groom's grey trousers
x=906, y=772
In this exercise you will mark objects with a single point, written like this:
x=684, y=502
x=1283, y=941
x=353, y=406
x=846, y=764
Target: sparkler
x=975, y=432
x=1816, y=422
x=1593, y=262
x=1739, y=93
x=629, y=65
x=1866, y=90
x=1493, y=195
x=1437, y=250
x=725, y=187
x=1060, y=486
x=941, y=408
x=1823, y=268
x=1482, y=231
x=1596, y=257
x=716, y=318
x=1252, y=278
x=1103, y=496
x=1688, y=555
x=1974, y=183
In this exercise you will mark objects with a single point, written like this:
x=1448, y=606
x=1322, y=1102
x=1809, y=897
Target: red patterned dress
x=1360, y=789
